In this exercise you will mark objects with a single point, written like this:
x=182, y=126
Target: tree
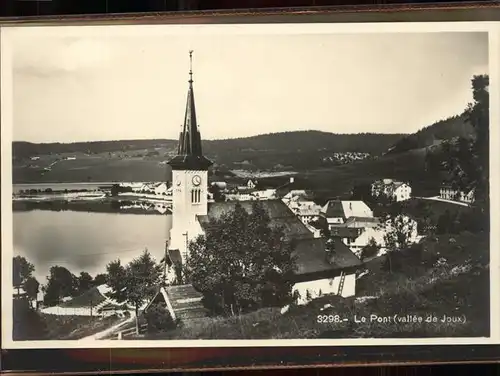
x=84, y=282
x=143, y=278
x=22, y=276
x=370, y=250
x=32, y=286
x=218, y=194
x=445, y=222
x=362, y=192
x=398, y=236
x=61, y=283
x=158, y=318
x=116, y=280
x=100, y=279
x=468, y=158
x=115, y=190
x=242, y=262
x=134, y=283
x=22, y=269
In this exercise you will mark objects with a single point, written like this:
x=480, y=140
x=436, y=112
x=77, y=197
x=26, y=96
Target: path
x=437, y=198
x=111, y=330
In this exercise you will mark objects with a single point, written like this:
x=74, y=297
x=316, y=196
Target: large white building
x=448, y=193
x=392, y=189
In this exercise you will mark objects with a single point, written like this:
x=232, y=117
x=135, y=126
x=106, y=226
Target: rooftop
x=310, y=251
x=346, y=209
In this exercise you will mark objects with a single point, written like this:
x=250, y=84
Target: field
x=104, y=167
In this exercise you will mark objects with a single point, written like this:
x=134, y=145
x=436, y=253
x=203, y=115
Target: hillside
x=144, y=160
x=455, y=126
x=274, y=142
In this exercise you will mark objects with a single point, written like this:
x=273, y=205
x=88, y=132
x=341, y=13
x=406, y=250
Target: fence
x=131, y=331
x=71, y=311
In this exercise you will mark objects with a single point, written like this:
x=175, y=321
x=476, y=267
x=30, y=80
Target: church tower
x=189, y=178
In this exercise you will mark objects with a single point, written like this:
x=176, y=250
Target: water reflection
x=82, y=241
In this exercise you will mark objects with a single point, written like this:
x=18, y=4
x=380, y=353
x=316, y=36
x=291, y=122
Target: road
x=109, y=331
x=437, y=198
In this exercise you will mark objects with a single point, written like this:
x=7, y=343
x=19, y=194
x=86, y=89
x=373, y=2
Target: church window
x=196, y=196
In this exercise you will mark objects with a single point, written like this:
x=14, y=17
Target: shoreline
x=100, y=204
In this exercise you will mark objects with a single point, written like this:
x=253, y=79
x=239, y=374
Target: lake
x=82, y=241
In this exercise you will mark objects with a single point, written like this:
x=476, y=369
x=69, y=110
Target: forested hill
x=276, y=142
x=455, y=126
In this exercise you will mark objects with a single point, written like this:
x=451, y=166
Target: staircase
x=341, y=283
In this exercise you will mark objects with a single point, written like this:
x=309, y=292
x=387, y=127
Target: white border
x=242, y=29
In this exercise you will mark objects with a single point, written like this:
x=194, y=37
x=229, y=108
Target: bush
x=158, y=319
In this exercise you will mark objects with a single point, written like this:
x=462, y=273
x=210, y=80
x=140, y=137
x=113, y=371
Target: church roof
x=279, y=213
x=310, y=251
x=189, y=152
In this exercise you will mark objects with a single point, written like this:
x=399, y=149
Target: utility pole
x=186, y=246
x=165, y=263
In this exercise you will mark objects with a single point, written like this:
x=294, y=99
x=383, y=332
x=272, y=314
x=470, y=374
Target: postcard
x=249, y=185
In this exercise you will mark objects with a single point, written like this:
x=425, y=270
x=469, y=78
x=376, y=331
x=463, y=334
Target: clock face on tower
x=196, y=180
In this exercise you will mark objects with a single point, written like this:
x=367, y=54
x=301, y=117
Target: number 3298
x=325, y=319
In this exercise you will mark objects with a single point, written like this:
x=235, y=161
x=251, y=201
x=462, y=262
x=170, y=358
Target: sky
x=69, y=88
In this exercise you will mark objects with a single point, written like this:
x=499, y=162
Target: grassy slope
x=339, y=180
x=457, y=286
x=414, y=297
x=99, y=168
x=33, y=325
x=298, y=150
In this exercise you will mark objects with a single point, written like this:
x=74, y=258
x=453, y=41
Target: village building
x=317, y=271
x=251, y=184
x=337, y=212
x=447, y=192
x=392, y=189
x=240, y=197
x=132, y=185
x=356, y=233
x=362, y=222
x=266, y=194
x=306, y=211
x=221, y=185
x=295, y=195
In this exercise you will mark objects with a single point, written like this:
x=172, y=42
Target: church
x=318, y=271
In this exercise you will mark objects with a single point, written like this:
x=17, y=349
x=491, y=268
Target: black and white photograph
x=176, y=183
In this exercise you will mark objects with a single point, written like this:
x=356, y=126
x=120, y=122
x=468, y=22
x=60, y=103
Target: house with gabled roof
x=337, y=212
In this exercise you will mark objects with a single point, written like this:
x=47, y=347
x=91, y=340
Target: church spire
x=189, y=152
